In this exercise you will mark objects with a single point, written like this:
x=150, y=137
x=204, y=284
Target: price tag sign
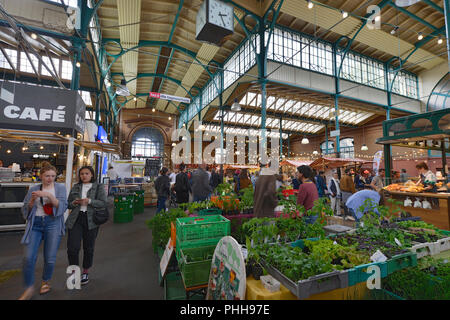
x=244, y=252
x=334, y=242
x=398, y=242
x=378, y=257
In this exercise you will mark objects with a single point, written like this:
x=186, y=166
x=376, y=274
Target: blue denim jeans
x=310, y=219
x=161, y=204
x=44, y=229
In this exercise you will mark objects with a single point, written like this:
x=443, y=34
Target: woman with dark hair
x=243, y=181
x=85, y=197
x=162, y=187
x=307, y=192
x=43, y=210
x=182, y=186
x=427, y=177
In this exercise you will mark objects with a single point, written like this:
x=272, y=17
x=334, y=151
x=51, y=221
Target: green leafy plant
x=160, y=226
x=224, y=189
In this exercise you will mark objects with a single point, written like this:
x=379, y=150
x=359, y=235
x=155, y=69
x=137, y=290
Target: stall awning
x=336, y=162
x=236, y=166
x=294, y=163
x=36, y=136
x=99, y=146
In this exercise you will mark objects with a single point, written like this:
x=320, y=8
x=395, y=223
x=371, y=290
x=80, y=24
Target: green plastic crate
x=196, y=228
x=209, y=212
x=195, y=265
x=383, y=294
x=359, y=273
x=194, y=244
x=401, y=261
x=173, y=287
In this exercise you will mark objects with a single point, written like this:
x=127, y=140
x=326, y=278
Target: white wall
x=38, y=14
x=428, y=79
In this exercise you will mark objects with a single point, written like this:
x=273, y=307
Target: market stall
x=428, y=131
x=324, y=163
x=14, y=188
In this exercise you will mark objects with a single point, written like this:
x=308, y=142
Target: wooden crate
x=340, y=221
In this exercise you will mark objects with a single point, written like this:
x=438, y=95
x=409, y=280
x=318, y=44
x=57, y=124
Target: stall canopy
x=429, y=131
x=294, y=163
x=336, y=162
x=236, y=166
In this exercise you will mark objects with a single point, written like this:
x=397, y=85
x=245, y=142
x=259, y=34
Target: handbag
x=100, y=215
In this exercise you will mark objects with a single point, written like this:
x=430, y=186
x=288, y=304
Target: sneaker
x=84, y=278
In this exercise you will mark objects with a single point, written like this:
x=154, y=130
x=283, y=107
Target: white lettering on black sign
x=30, y=113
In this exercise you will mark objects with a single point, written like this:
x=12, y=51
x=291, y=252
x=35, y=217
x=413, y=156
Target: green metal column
x=336, y=110
x=75, y=83
x=387, y=163
x=447, y=27
x=281, y=137
x=289, y=146
x=444, y=159
x=326, y=139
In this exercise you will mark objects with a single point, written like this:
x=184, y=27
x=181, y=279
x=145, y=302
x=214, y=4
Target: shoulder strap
x=42, y=201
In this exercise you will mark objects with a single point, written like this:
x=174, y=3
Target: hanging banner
x=163, y=96
x=32, y=107
x=376, y=161
x=227, y=278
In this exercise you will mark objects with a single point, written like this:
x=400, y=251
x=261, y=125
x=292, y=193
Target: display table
x=438, y=215
x=256, y=291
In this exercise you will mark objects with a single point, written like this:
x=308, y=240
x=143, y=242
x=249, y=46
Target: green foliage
x=224, y=189
x=428, y=281
x=262, y=230
x=160, y=226
x=246, y=198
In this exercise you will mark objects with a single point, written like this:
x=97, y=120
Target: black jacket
x=215, y=180
x=162, y=186
x=182, y=183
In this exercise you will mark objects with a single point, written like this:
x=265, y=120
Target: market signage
x=163, y=96
x=23, y=106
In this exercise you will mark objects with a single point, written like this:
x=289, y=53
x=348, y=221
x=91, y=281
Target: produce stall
x=428, y=131
x=287, y=257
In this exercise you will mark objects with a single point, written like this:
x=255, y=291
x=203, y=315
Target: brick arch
x=149, y=125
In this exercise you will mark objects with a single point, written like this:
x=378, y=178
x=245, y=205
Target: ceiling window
x=347, y=149
x=25, y=64
x=12, y=55
x=47, y=61
x=86, y=95
x=66, y=70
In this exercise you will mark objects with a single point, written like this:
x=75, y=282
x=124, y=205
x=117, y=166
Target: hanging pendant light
x=364, y=147
x=305, y=140
x=236, y=106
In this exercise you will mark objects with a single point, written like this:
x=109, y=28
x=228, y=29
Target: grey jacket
x=200, y=183
x=96, y=202
x=58, y=213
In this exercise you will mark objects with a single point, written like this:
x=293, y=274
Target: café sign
x=24, y=106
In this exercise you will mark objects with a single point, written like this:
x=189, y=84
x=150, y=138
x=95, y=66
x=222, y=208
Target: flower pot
x=257, y=271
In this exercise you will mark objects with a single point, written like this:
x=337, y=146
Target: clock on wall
x=214, y=21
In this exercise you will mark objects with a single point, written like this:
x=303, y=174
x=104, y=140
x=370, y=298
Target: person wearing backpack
x=182, y=186
x=86, y=198
x=43, y=210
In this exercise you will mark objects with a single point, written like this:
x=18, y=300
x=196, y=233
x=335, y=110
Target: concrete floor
x=125, y=266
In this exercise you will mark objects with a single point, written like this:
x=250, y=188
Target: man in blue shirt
x=356, y=201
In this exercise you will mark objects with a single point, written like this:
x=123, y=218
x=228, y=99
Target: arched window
x=323, y=148
x=146, y=143
x=347, y=149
